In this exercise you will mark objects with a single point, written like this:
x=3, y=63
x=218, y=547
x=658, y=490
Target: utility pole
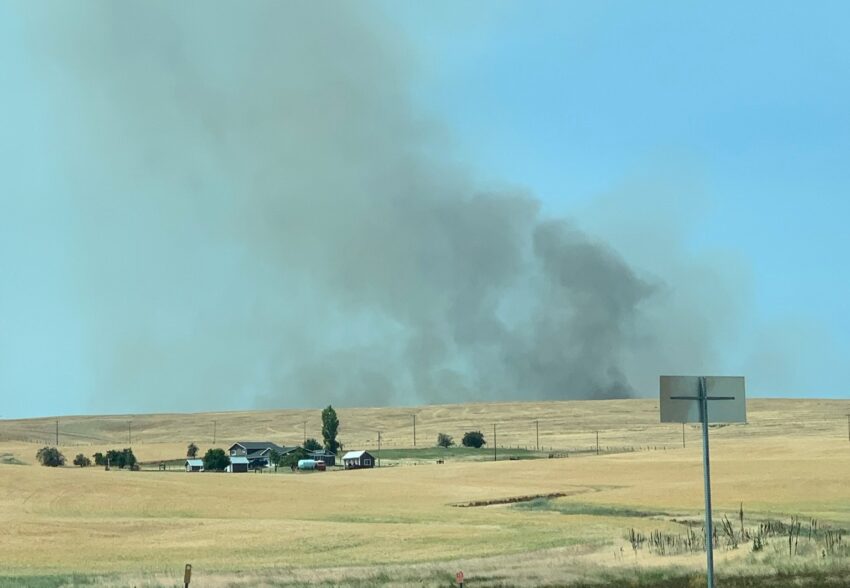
x=379, y=449
x=683, y=434
x=494, y=442
x=129, y=432
x=597, y=442
x=537, y=426
x=215, y=424
x=57, y=431
x=305, y=431
x=414, y=429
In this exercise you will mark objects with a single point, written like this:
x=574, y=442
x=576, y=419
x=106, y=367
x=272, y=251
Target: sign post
x=685, y=399
x=187, y=575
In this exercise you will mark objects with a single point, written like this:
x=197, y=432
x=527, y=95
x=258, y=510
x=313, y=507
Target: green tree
x=192, y=450
x=99, y=458
x=82, y=461
x=330, y=428
x=444, y=440
x=216, y=460
x=50, y=456
x=473, y=439
x=290, y=460
x=121, y=459
x=312, y=445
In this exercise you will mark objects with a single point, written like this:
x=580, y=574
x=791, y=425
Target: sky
x=205, y=207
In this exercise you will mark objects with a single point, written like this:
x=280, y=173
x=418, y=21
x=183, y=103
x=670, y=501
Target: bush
x=473, y=439
x=82, y=461
x=444, y=440
x=192, y=450
x=50, y=457
x=216, y=460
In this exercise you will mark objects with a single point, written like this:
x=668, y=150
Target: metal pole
x=57, y=432
x=414, y=430
x=129, y=432
x=537, y=426
x=709, y=531
x=214, y=431
x=597, y=442
x=683, y=434
x=379, y=449
x=494, y=441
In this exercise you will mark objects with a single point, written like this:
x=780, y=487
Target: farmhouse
x=358, y=459
x=194, y=465
x=256, y=454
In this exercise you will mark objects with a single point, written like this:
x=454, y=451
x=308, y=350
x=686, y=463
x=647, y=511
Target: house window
x=367, y=461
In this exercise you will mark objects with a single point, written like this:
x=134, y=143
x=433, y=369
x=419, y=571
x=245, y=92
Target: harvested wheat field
x=628, y=515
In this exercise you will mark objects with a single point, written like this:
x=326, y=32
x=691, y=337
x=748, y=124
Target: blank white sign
x=687, y=411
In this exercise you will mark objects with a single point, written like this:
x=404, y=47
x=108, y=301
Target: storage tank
x=306, y=464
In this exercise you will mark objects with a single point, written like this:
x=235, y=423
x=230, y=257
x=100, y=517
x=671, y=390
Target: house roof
x=255, y=446
x=320, y=452
x=355, y=454
x=195, y=462
x=238, y=460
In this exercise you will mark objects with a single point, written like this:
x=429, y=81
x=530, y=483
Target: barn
x=354, y=460
x=194, y=465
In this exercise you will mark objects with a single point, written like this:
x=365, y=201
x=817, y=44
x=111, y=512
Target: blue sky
x=719, y=131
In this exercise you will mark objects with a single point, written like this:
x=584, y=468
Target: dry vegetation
x=398, y=524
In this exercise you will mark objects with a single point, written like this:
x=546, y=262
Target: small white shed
x=194, y=465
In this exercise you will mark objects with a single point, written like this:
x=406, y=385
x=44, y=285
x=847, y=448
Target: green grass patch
x=458, y=453
x=57, y=581
x=580, y=508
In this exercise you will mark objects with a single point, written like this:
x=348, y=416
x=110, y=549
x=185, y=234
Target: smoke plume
x=262, y=217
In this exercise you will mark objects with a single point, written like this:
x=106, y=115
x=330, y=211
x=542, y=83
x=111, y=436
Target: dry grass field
x=401, y=525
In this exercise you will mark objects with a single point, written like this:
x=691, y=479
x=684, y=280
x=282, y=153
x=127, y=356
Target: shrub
x=82, y=461
x=444, y=440
x=50, y=457
x=473, y=439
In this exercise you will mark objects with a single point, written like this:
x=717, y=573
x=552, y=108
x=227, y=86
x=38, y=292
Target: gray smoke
x=262, y=217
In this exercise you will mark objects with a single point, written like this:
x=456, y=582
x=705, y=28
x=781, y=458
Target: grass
x=579, y=508
x=397, y=524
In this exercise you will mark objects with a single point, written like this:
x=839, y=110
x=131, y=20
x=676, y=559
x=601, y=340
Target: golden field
x=140, y=528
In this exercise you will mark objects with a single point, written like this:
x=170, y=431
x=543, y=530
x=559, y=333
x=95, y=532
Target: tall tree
x=192, y=450
x=330, y=427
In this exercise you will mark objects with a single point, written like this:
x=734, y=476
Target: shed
x=358, y=459
x=194, y=465
x=238, y=465
x=323, y=455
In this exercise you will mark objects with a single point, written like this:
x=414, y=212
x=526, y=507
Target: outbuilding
x=323, y=455
x=354, y=460
x=238, y=465
x=194, y=465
